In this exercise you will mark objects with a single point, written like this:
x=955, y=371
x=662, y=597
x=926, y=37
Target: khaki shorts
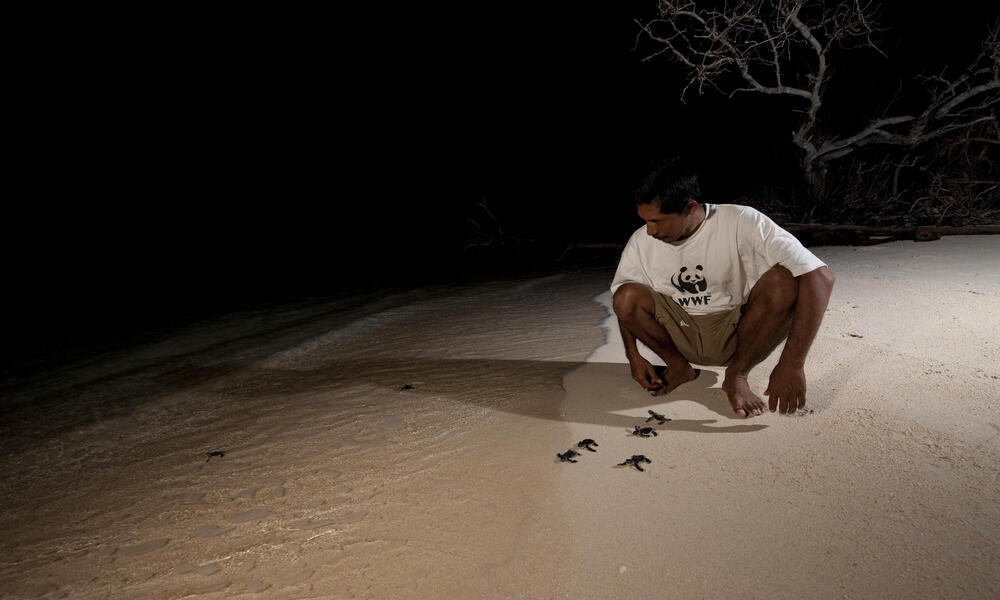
x=703, y=339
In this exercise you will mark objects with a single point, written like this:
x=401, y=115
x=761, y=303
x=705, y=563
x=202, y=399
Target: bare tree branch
x=781, y=48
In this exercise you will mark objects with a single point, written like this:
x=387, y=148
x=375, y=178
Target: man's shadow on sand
x=605, y=394
x=580, y=392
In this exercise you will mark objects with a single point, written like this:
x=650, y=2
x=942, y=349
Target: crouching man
x=717, y=285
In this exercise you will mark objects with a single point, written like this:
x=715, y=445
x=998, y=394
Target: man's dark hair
x=669, y=186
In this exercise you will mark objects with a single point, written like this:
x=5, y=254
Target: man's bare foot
x=744, y=402
x=674, y=376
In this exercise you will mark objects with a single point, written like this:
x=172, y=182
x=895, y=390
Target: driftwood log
x=811, y=234
x=867, y=234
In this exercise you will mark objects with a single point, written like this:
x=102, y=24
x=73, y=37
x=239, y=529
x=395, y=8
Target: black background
x=170, y=164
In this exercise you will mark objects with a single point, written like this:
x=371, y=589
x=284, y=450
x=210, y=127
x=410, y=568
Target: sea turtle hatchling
x=587, y=443
x=643, y=431
x=636, y=461
x=568, y=456
x=659, y=418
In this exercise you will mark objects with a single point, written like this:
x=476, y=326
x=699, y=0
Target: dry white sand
x=337, y=483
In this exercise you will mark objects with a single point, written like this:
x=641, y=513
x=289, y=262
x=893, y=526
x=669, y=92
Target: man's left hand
x=786, y=389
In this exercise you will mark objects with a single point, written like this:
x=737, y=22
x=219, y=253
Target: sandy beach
x=405, y=447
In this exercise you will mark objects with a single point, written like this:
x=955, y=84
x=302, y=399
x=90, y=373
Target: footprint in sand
x=247, y=493
x=351, y=517
x=376, y=440
x=313, y=524
x=50, y=590
x=273, y=486
x=393, y=422
x=211, y=530
x=251, y=515
x=320, y=523
x=186, y=497
x=207, y=587
x=206, y=570
x=296, y=579
x=104, y=551
x=416, y=577
x=255, y=587
x=144, y=547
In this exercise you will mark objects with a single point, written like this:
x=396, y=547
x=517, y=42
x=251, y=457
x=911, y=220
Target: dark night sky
x=175, y=161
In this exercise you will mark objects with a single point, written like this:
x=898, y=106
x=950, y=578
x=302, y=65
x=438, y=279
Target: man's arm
x=631, y=347
x=787, y=386
x=643, y=371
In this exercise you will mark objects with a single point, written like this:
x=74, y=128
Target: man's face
x=671, y=227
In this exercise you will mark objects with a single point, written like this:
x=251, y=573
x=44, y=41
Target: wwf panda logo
x=691, y=281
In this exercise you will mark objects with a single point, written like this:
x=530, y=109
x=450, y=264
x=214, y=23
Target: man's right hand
x=645, y=373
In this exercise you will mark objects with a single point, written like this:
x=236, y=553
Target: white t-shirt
x=715, y=268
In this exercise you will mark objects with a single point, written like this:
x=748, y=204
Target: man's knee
x=629, y=298
x=778, y=289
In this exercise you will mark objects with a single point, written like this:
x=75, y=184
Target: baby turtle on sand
x=659, y=418
x=636, y=461
x=219, y=453
x=644, y=431
x=587, y=443
x=568, y=456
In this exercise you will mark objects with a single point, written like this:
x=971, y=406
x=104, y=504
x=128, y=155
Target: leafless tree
x=479, y=236
x=782, y=48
